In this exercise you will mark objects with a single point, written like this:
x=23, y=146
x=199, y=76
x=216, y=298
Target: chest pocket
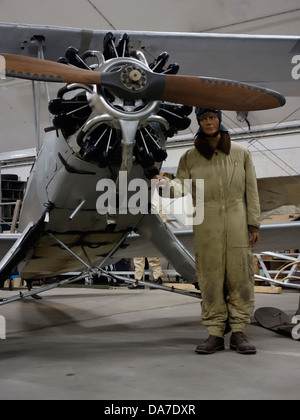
x=232, y=172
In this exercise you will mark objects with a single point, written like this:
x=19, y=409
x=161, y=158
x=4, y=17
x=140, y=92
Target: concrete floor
x=136, y=345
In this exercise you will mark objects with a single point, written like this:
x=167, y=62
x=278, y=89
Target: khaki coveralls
x=139, y=268
x=221, y=242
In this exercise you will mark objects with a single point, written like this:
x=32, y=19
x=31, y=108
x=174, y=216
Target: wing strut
x=187, y=269
x=153, y=229
x=90, y=272
x=34, y=293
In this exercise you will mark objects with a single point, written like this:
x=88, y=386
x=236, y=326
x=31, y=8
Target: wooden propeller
x=47, y=71
x=140, y=83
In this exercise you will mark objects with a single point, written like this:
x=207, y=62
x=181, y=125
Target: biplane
x=88, y=196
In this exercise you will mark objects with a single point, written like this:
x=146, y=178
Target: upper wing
x=269, y=61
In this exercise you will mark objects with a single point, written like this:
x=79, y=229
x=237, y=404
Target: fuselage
x=69, y=186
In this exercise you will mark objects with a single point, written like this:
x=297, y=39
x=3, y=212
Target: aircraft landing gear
x=29, y=287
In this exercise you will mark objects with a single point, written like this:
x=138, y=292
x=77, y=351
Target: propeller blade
x=135, y=83
x=197, y=91
x=223, y=94
x=47, y=71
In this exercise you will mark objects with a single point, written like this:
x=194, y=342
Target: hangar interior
x=272, y=136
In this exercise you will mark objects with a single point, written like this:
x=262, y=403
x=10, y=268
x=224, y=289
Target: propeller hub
x=132, y=75
x=133, y=78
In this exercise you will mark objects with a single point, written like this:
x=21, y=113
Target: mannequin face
x=209, y=123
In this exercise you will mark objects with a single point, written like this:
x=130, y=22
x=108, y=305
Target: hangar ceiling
x=230, y=16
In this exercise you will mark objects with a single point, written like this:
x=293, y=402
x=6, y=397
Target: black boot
x=136, y=285
x=240, y=343
x=211, y=345
x=158, y=281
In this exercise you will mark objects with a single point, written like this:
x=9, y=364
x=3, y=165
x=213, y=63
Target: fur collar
x=202, y=145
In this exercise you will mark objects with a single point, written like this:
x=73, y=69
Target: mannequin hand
x=159, y=182
x=255, y=238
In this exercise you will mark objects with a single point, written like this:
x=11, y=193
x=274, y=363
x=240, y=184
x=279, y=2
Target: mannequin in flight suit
x=223, y=241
